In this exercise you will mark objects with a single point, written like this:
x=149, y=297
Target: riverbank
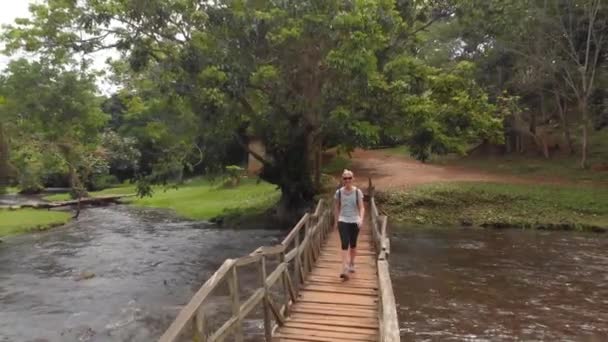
x=499, y=206
x=197, y=199
x=13, y=222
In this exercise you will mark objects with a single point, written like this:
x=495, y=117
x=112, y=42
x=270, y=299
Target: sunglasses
x=347, y=178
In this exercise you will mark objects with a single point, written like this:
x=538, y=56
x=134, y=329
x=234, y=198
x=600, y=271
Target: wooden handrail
x=195, y=303
x=301, y=254
x=297, y=253
x=387, y=315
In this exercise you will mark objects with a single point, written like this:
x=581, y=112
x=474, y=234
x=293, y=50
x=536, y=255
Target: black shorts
x=348, y=234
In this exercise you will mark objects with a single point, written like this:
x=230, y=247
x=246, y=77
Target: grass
x=14, y=222
x=201, y=199
x=9, y=190
x=500, y=205
x=123, y=189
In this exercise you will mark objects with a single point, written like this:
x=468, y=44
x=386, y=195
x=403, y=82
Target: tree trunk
x=563, y=109
x=583, y=108
x=76, y=185
x=543, y=107
x=4, y=161
x=318, y=155
x=533, y=122
x=292, y=174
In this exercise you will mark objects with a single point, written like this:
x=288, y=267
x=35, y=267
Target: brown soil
x=389, y=171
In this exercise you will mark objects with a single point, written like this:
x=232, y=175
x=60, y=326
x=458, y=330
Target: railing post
x=305, y=249
x=233, y=284
x=298, y=263
x=267, y=326
x=199, y=324
x=285, y=285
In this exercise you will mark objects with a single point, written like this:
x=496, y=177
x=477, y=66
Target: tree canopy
x=198, y=79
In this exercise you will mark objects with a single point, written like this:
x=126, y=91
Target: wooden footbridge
x=299, y=295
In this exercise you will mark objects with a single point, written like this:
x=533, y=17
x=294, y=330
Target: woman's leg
x=343, y=229
x=354, y=235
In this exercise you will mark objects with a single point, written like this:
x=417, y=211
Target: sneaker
x=351, y=268
x=344, y=274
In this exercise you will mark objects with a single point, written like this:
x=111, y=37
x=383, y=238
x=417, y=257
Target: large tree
x=53, y=111
x=300, y=75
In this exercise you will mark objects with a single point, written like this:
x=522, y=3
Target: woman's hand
x=360, y=222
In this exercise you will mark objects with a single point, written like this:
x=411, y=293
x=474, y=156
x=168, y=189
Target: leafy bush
x=102, y=181
x=235, y=173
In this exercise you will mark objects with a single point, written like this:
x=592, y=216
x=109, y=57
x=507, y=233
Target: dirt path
x=390, y=171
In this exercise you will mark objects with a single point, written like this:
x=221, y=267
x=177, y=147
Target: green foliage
x=121, y=152
x=235, y=174
x=337, y=164
x=102, y=181
x=57, y=129
x=300, y=75
x=443, y=112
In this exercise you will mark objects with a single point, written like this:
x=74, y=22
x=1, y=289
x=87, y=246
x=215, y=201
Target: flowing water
x=500, y=285
x=117, y=274
x=142, y=265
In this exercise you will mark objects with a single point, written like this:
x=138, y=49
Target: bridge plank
x=323, y=327
x=330, y=309
x=335, y=321
x=307, y=332
x=320, y=306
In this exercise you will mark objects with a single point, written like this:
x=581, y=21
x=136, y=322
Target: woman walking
x=348, y=213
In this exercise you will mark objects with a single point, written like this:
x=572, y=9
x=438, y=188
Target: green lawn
x=21, y=221
x=200, y=198
x=500, y=205
x=123, y=189
x=10, y=190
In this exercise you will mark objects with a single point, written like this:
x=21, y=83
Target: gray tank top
x=349, y=208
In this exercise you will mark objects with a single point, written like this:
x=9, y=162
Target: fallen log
x=99, y=200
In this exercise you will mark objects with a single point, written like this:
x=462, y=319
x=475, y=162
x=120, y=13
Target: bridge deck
x=330, y=309
x=315, y=305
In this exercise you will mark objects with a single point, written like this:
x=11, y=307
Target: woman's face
x=347, y=179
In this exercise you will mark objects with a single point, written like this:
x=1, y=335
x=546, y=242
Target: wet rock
x=85, y=275
x=86, y=335
x=466, y=222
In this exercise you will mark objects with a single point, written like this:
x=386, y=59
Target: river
x=146, y=264
x=450, y=284
x=500, y=285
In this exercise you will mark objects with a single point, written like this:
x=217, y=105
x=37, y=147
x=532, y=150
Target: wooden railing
x=295, y=259
x=296, y=256
x=387, y=311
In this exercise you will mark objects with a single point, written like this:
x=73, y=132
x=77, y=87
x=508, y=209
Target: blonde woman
x=348, y=212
